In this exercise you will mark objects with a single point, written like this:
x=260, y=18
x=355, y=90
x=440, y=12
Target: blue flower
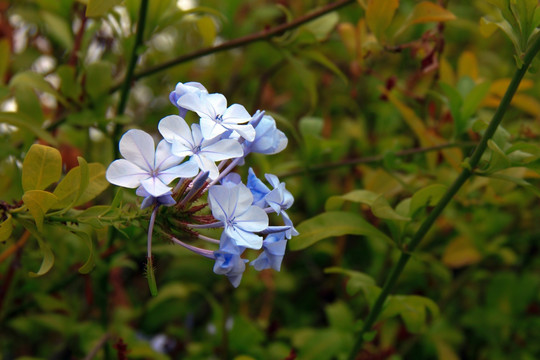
x=145, y=166
x=232, y=204
x=268, y=139
x=181, y=90
x=231, y=265
x=274, y=248
x=149, y=200
x=204, y=152
x=216, y=117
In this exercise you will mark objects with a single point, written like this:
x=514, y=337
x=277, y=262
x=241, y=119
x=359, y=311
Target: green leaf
x=36, y=81
x=28, y=103
x=100, y=7
x=332, y=224
x=498, y=161
x=90, y=262
x=5, y=54
x=411, y=308
x=322, y=26
x=379, y=205
x=6, y=227
x=207, y=30
x=48, y=256
x=23, y=121
x=75, y=190
x=357, y=282
x=321, y=59
x=38, y=203
x=472, y=100
x=98, y=79
x=426, y=11
x=379, y=15
x=42, y=166
x=454, y=102
x=311, y=126
x=358, y=196
x=58, y=29
x=428, y=196
x=521, y=182
x=382, y=209
x=69, y=86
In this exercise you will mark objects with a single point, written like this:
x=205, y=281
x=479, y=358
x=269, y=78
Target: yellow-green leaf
x=6, y=227
x=461, y=252
x=379, y=15
x=428, y=196
x=69, y=189
x=38, y=203
x=36, y=81
x=48, y=256
x=42, y=166
x=207, y=29
x=100, y=7
x=90, y=262
x=429, y=12
x=23, y=121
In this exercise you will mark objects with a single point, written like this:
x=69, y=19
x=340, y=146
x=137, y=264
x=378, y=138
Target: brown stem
x=241, y=41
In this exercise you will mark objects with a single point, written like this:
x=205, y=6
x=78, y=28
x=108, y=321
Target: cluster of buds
x=202, y=157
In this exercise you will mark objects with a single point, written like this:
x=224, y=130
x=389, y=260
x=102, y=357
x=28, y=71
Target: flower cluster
x=202, y=157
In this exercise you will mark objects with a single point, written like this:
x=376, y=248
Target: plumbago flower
x=203, y=156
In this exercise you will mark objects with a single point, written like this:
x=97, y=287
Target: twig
x=14, y=247
x=372, y=159
x=101, y=342
x=242, y=41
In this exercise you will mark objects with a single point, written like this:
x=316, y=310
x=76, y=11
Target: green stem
x=465, y=174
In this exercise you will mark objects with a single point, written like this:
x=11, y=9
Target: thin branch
x=14, y=247
x=372, y=159
x=466, y=173
x=101, y=342
x=242, y=41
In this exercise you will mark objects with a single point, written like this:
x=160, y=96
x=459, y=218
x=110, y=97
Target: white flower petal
x=164, y=157
x=236, y=114
x=254, y=219
x=137, y=147
x=246, y=131
x=219, y=103
x=175, y=129
x=198, y=103
x=126, y=174
x=211, y=129
x=206, y=164
x=244, y=238
x=185, y=170
x=223, y=149
x=155, y=187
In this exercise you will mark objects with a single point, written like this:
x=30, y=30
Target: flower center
x=219, y=118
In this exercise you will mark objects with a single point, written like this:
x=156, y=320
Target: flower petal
x=236, y=114
x=223, y=149
x=244, y=238
x=164, y=158
x=155, y=187
x=211, y=129
x=185, y=170
x=174, y=129
x=253, y=219
x=137, y=147
x=124, y=173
